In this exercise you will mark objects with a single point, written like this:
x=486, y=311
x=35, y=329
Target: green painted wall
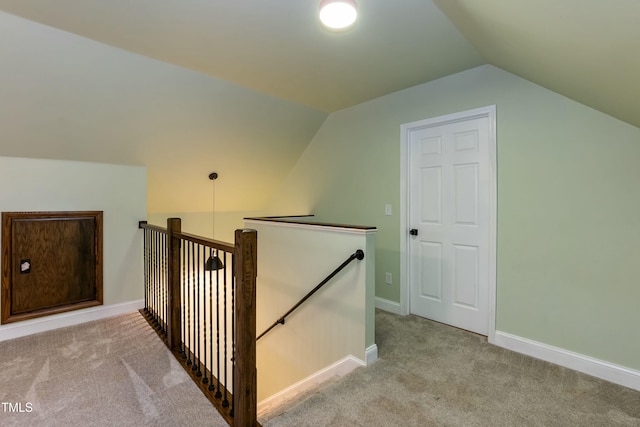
x=568, y=268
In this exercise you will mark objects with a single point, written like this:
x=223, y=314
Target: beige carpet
x=117, y=372
x=429, y=374
x=113, y=372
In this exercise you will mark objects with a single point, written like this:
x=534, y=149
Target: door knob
x=413, y=231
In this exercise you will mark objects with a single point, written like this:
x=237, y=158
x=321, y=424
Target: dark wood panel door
x=55, y=263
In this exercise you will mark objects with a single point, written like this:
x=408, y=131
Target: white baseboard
x=69, y=318
x=371, y=354
x=337, y=370
x=388, y=305
x=598, y=368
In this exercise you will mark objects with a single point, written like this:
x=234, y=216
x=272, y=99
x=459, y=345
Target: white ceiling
x=276, y=46
x=588, y=50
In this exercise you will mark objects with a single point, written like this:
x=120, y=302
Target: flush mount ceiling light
x=338, y=14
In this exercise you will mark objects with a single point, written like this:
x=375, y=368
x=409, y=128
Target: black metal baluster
x=225, y=401
x=156, y=295
x=205, y=380
x=163, y=284
x=151, y=290
x=211, y=386
x=233, y=330
x=146, y=275
x=183, y=284
x=218, y=391
x=148, y=269
x=196, y=367
x=159, y=275
x=158, y=307
x=189, y=313
x=193, y=301
x=155, y=278
x=165, y=275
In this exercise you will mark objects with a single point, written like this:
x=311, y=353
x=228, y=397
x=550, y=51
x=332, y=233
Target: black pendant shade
x=213, y=263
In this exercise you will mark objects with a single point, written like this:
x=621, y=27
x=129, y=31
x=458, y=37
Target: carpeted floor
x=117, y=372
x=113, y=372
x=429, y=374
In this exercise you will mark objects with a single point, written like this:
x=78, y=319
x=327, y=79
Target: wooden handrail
x=147, y=226
x=214, y=244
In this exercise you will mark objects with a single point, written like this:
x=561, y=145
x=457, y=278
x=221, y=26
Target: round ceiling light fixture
x=338, y=14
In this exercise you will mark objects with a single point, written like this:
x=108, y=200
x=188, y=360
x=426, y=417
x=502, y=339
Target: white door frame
x=405, y=129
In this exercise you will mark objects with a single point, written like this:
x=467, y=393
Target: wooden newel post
x=174, y=304
x=245, y=377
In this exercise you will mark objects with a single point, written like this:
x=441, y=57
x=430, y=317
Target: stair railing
x=206, y=314
x=359, y=255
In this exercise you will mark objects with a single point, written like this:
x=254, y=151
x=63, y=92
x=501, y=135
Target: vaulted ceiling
x=587, y=50
x=277, y=46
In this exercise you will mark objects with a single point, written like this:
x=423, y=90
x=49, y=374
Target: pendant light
x=338, y=14
x=213, y=263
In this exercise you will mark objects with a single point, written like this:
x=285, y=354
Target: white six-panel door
x=449, y=209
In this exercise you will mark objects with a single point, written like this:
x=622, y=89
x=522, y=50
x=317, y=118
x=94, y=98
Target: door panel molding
x=51, y=263
x=466, y=142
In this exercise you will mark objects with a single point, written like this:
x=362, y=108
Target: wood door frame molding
x=8, y=219
x=490, y=113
